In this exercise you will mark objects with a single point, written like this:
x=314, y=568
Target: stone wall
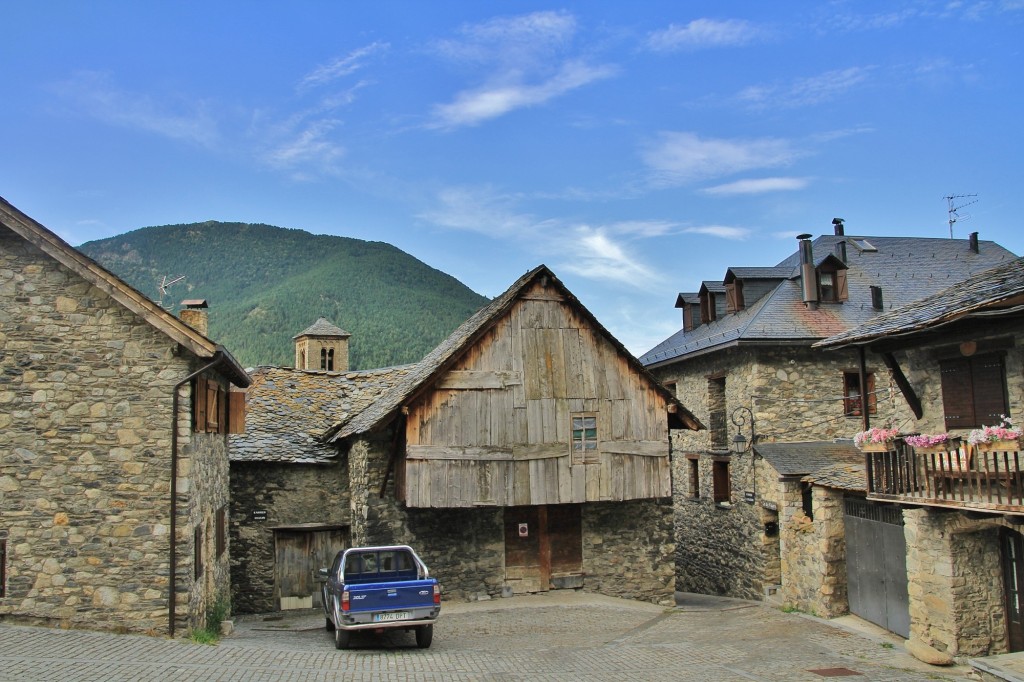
x=290, y=494
x=85, y=437
x=795, y=394
x=955, y=582
x=814, y=552
x=627, y=547
x=628, y=550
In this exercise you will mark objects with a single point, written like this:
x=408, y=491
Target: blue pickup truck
x=377, y=588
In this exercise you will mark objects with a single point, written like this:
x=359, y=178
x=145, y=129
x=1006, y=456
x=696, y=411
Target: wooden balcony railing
x=968, y=477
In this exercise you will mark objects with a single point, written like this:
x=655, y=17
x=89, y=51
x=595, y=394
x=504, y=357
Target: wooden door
x=1013, y=587
x=543, y=548
x=299, y=555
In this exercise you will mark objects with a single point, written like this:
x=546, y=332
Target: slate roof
x=809, y=457
x=122, y=292
x=447, y=352
x=906, y=268
x=761, y=272
x=841, y=476
x=289, y=409
x=322, y=328
x=991, y=290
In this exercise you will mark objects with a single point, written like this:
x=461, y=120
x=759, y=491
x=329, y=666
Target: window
x=330, y=359
x=707, y=307
x=584, y=439
x=720, y=480
x=3, y=565
x=828, y=286
x=222, y=529
x=807, y=499
x=974, y=391
x=198, y=541
x=694, y=477
x=716, y=414
x=852, y=394
x=671, y=386
x=832, y=286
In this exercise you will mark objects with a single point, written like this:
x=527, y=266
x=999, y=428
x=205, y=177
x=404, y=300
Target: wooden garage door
x=543, y=548
x=299, y=555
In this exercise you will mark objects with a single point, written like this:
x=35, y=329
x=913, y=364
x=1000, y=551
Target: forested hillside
x=265, y=284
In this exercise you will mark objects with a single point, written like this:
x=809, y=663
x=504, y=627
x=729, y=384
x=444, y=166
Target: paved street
x=559, y=636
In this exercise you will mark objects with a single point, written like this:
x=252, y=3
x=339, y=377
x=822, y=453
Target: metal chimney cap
x=838, y=221
x=803, y=236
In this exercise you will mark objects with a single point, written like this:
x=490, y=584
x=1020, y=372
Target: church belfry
x=322, y=347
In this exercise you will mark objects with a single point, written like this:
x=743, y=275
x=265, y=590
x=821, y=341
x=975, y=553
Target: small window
x=671, y=386
x=694, y=477
x=323, y=358
x=330, y=360
x=222, y=530
x=213, y=407
x=3, y=565
x=974, y=391
x=852, y=394
x=584, y=439
x=717, y=425
x=827, y=280
x=807, y=500
x=720, y=471
x=198, y=541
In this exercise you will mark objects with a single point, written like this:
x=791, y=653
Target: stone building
x=529, y=451
x=113, y=446
x=961, y=353
x=767, y=515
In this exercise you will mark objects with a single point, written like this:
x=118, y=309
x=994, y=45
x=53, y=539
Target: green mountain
x=266, y=284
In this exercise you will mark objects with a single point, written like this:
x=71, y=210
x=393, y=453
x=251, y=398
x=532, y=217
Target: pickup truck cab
x=378, y=588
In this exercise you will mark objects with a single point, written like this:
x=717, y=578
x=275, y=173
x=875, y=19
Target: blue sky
x=635, y=148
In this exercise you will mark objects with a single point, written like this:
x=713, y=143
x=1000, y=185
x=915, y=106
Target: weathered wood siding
x=497, y=429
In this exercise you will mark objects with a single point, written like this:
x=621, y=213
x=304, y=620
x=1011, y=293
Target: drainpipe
x=173, y=554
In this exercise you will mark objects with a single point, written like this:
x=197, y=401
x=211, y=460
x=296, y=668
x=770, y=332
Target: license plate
x=395, y=615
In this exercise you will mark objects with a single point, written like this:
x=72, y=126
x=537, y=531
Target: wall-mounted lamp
x=741, y=416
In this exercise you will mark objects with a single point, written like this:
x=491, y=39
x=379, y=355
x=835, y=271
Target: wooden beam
x=904, y=385
x=463, y=452
x=643, y=448
x=476, y=380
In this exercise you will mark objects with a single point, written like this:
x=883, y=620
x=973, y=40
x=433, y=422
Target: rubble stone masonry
x=85, y=439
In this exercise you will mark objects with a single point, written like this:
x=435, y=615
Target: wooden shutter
x=687, y=317
x=870, y=393
x=199, y=404
x=720, y=481
x=989, y=384
x=842, y=288
x=957, y=393
x=222, y=409
x=730, y=298
x=236, y=411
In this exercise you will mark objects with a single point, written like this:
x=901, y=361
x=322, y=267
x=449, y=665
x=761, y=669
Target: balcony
x=984, y=478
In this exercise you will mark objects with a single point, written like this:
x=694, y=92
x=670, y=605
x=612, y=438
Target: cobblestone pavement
x=558, y=636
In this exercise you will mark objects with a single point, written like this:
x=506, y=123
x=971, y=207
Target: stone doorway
x=1013, y=587
x=543, y=548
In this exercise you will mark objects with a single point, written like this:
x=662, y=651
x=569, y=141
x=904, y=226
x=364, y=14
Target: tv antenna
x=164, y=285
x=955, y=205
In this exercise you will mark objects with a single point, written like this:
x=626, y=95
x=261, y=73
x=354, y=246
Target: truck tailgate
x=394, y=596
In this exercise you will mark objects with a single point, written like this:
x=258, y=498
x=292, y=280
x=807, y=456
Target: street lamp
x=741, y=416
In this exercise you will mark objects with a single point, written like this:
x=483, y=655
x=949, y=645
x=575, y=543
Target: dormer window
x=832, y=287
x=707, y=307
x=734, y=296
x=827, y=280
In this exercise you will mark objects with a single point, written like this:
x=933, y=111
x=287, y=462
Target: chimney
x=876, y=298
x=841, y=250
x=838, y=222
x=193, y=313
x=808, y=277
x=972, y=240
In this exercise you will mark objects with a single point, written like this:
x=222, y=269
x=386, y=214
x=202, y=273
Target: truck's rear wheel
x=341, y=638
x=424, y=636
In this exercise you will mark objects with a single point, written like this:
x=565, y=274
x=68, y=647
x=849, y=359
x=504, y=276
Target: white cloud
x=341, y=66
x=480, y=210
x=475, y=106
x=723, y=231
x=679, y=158
x=703, y=33
x=757, y=186
x=597, y=256
x=175, y=117
x=305, y=150
x=527, y=61
x=805, y=91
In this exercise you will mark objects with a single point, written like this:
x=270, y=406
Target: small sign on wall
x=259, y=514
x=748, y=496
x=770, y=506
x=524, y=530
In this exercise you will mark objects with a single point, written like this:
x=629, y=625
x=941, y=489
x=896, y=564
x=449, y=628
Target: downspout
x=173, y=554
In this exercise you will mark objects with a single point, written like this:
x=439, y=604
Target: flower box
x=951, y=445
x=884, y=446
x=998, y=445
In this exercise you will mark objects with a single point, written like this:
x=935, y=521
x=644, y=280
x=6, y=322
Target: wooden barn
x=529, y=451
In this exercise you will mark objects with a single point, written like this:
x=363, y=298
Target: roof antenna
x=164, y=286
x=953, y=208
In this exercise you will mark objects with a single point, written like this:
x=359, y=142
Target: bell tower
x=322, y=347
